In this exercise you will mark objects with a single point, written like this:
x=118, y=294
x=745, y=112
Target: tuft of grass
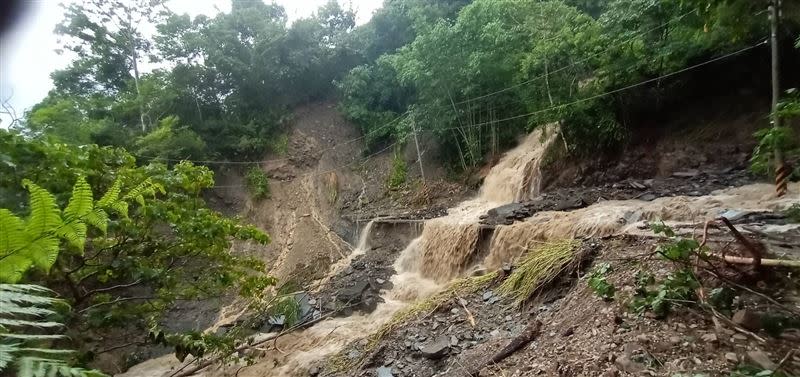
x=422, y=308
x=257, y=183
x=539, y=267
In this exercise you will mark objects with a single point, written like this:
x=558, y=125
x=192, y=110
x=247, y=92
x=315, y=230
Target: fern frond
x=98, y=219
x=13, y=310
x=32, y=336
x=41, y=367
x=45, y=215
x=74, y=232
x=7, y=354
x=26, y=288
x=120, y=207
x=13, y=267
x=81, y=202
x=11, y=232
x=25, y=294
x=42, y=251
x=47, y=351
x=147, y=187
x=111, y=196
x=7, y=322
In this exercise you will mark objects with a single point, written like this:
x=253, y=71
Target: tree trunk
x=135, y=63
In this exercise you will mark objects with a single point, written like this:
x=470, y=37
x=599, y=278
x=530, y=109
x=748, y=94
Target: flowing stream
x=448, y=247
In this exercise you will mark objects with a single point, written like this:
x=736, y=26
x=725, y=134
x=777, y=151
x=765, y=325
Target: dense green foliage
x=125, y=270
x=497, y=68
x=222, y=86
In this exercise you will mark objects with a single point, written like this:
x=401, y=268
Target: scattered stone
x=747, y=319
x=568, y=332
x=739, y=338
x=385, y=372
x=642, y=338
x=453, y=341
x=313, y=371
x=349, y=270
x=610, y=372
x=626, y=364
x=710, y=338
x=647, y=197
x=675, y=340
x=380, y=281
x=638, y=186
x=761, y=359
x=494, y=333
x=312, y=301
x=487, y=295
x=436, y=349
x=685, y=174
x=731, y=357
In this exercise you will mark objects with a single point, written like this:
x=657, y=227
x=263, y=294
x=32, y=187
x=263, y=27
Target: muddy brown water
x=449, y=247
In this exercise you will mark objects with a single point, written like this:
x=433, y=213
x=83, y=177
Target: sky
x=27, y=50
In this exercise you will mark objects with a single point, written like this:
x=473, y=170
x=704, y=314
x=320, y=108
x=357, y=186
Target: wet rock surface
x=694, y=183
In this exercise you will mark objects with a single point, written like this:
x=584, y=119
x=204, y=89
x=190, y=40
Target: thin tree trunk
x=135, y=63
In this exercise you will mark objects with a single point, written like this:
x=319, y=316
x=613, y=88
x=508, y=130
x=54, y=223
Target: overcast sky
x=27, y=54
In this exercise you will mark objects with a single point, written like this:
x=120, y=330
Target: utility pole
x=781, y=171
x=419, y=155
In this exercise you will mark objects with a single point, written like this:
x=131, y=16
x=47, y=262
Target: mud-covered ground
x=582, y=334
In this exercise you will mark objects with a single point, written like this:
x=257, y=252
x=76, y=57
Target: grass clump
x=257, y=183
x=539, y=267
x=399, y=173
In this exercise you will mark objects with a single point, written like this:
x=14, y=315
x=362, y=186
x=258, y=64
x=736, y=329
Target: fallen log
x=528, y=335
x=763, y=262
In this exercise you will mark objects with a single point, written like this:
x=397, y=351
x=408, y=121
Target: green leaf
x=111, y=196
x=43, y=251
x=81, y=202
x=13, y=267
x=98, y=219
x=75, y=234
x=11, y=232
x=45, y=215
x=7, y=354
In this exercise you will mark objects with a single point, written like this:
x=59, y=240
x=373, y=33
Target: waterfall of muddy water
x=449, y=243
x=361, y=248
x=443, y=251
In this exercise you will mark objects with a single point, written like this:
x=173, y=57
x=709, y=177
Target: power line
x=572, y=64
x=221, y=162
x=648, y=81
x=610, y=92
x=329, y=170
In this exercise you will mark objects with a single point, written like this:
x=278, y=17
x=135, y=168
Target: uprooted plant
x=696, y=280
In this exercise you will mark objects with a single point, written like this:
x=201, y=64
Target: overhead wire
x=328, y=171
x=573, y=64
x=226, y=162
x=610, y=92
x=600, y=95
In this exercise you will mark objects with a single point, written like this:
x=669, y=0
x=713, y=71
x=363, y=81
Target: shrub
x=257, y=183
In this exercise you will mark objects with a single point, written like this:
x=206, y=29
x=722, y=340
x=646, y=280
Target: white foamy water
x=447, y=245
